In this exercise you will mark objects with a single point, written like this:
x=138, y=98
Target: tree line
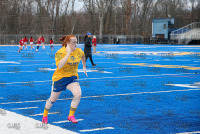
x=100, y=17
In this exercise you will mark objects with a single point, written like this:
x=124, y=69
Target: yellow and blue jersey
x=71, y=66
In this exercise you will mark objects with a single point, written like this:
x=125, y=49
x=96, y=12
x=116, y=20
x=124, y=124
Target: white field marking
x=43, y=113
x=188, y=48
x=50, y=69
x=13, y=62
x=95, y=129
x=110, y=95
x=105, y=62
x=1, y=98
x=196, y=132
x=27, y=125
x=28, y=65
x=183, y=85
x=108, y=77
x=136, y=52
x=27, y=81
x=23, y=108
x=67, y=121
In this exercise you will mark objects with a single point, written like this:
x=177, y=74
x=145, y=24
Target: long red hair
x=66, y=39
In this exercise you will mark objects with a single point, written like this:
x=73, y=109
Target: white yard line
x=185, y=90
x=196, y=132
x=96, y=129
x=42, y=113
x=67, y=121
x=23, y=108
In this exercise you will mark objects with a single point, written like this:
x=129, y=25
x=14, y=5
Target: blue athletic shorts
x=61, y=84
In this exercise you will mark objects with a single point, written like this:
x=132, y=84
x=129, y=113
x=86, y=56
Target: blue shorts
x=61, y=84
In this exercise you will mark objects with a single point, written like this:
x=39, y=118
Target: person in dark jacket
x=87, y=48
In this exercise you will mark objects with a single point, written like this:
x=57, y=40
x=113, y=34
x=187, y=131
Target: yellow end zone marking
x=162, y=66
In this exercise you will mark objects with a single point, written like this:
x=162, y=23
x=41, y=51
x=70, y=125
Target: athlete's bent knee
x=51, y=102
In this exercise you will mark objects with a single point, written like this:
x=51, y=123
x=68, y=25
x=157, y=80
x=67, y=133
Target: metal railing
x=187, y=33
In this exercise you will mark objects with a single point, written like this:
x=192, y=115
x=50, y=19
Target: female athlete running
x=66, y=75
x=31, y=42
x=38, y=43
x=25, y=42
x=21, y=43
x=51, y=44
x=42, y=41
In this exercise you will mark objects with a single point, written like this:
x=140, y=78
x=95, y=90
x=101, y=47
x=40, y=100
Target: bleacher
x=187, y=34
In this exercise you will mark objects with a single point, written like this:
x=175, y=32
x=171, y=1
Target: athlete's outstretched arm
x=84, y=65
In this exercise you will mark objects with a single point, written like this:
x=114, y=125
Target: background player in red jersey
x=38, y=43
x=21, y=43
x=25, y=42
x=42, y=41
x=94, y=43
x=31, y=43
x=51, y=44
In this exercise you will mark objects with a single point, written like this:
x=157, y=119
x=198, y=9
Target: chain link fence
x=106, y=39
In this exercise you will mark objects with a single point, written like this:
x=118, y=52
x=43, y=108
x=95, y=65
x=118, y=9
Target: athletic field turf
x=134, y=89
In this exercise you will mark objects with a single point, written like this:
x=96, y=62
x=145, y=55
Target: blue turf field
x=134, y=89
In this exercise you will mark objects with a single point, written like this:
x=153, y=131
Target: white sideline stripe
x=107, y=77
x=29, y=65
x=23, y=108
x=96, y=129
x=183, y=85
x=28, y=125
x=9, y=62
x=196, y=132
x=67, y=121
x=111, y=95
x=42, y=113
x=49, y=69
